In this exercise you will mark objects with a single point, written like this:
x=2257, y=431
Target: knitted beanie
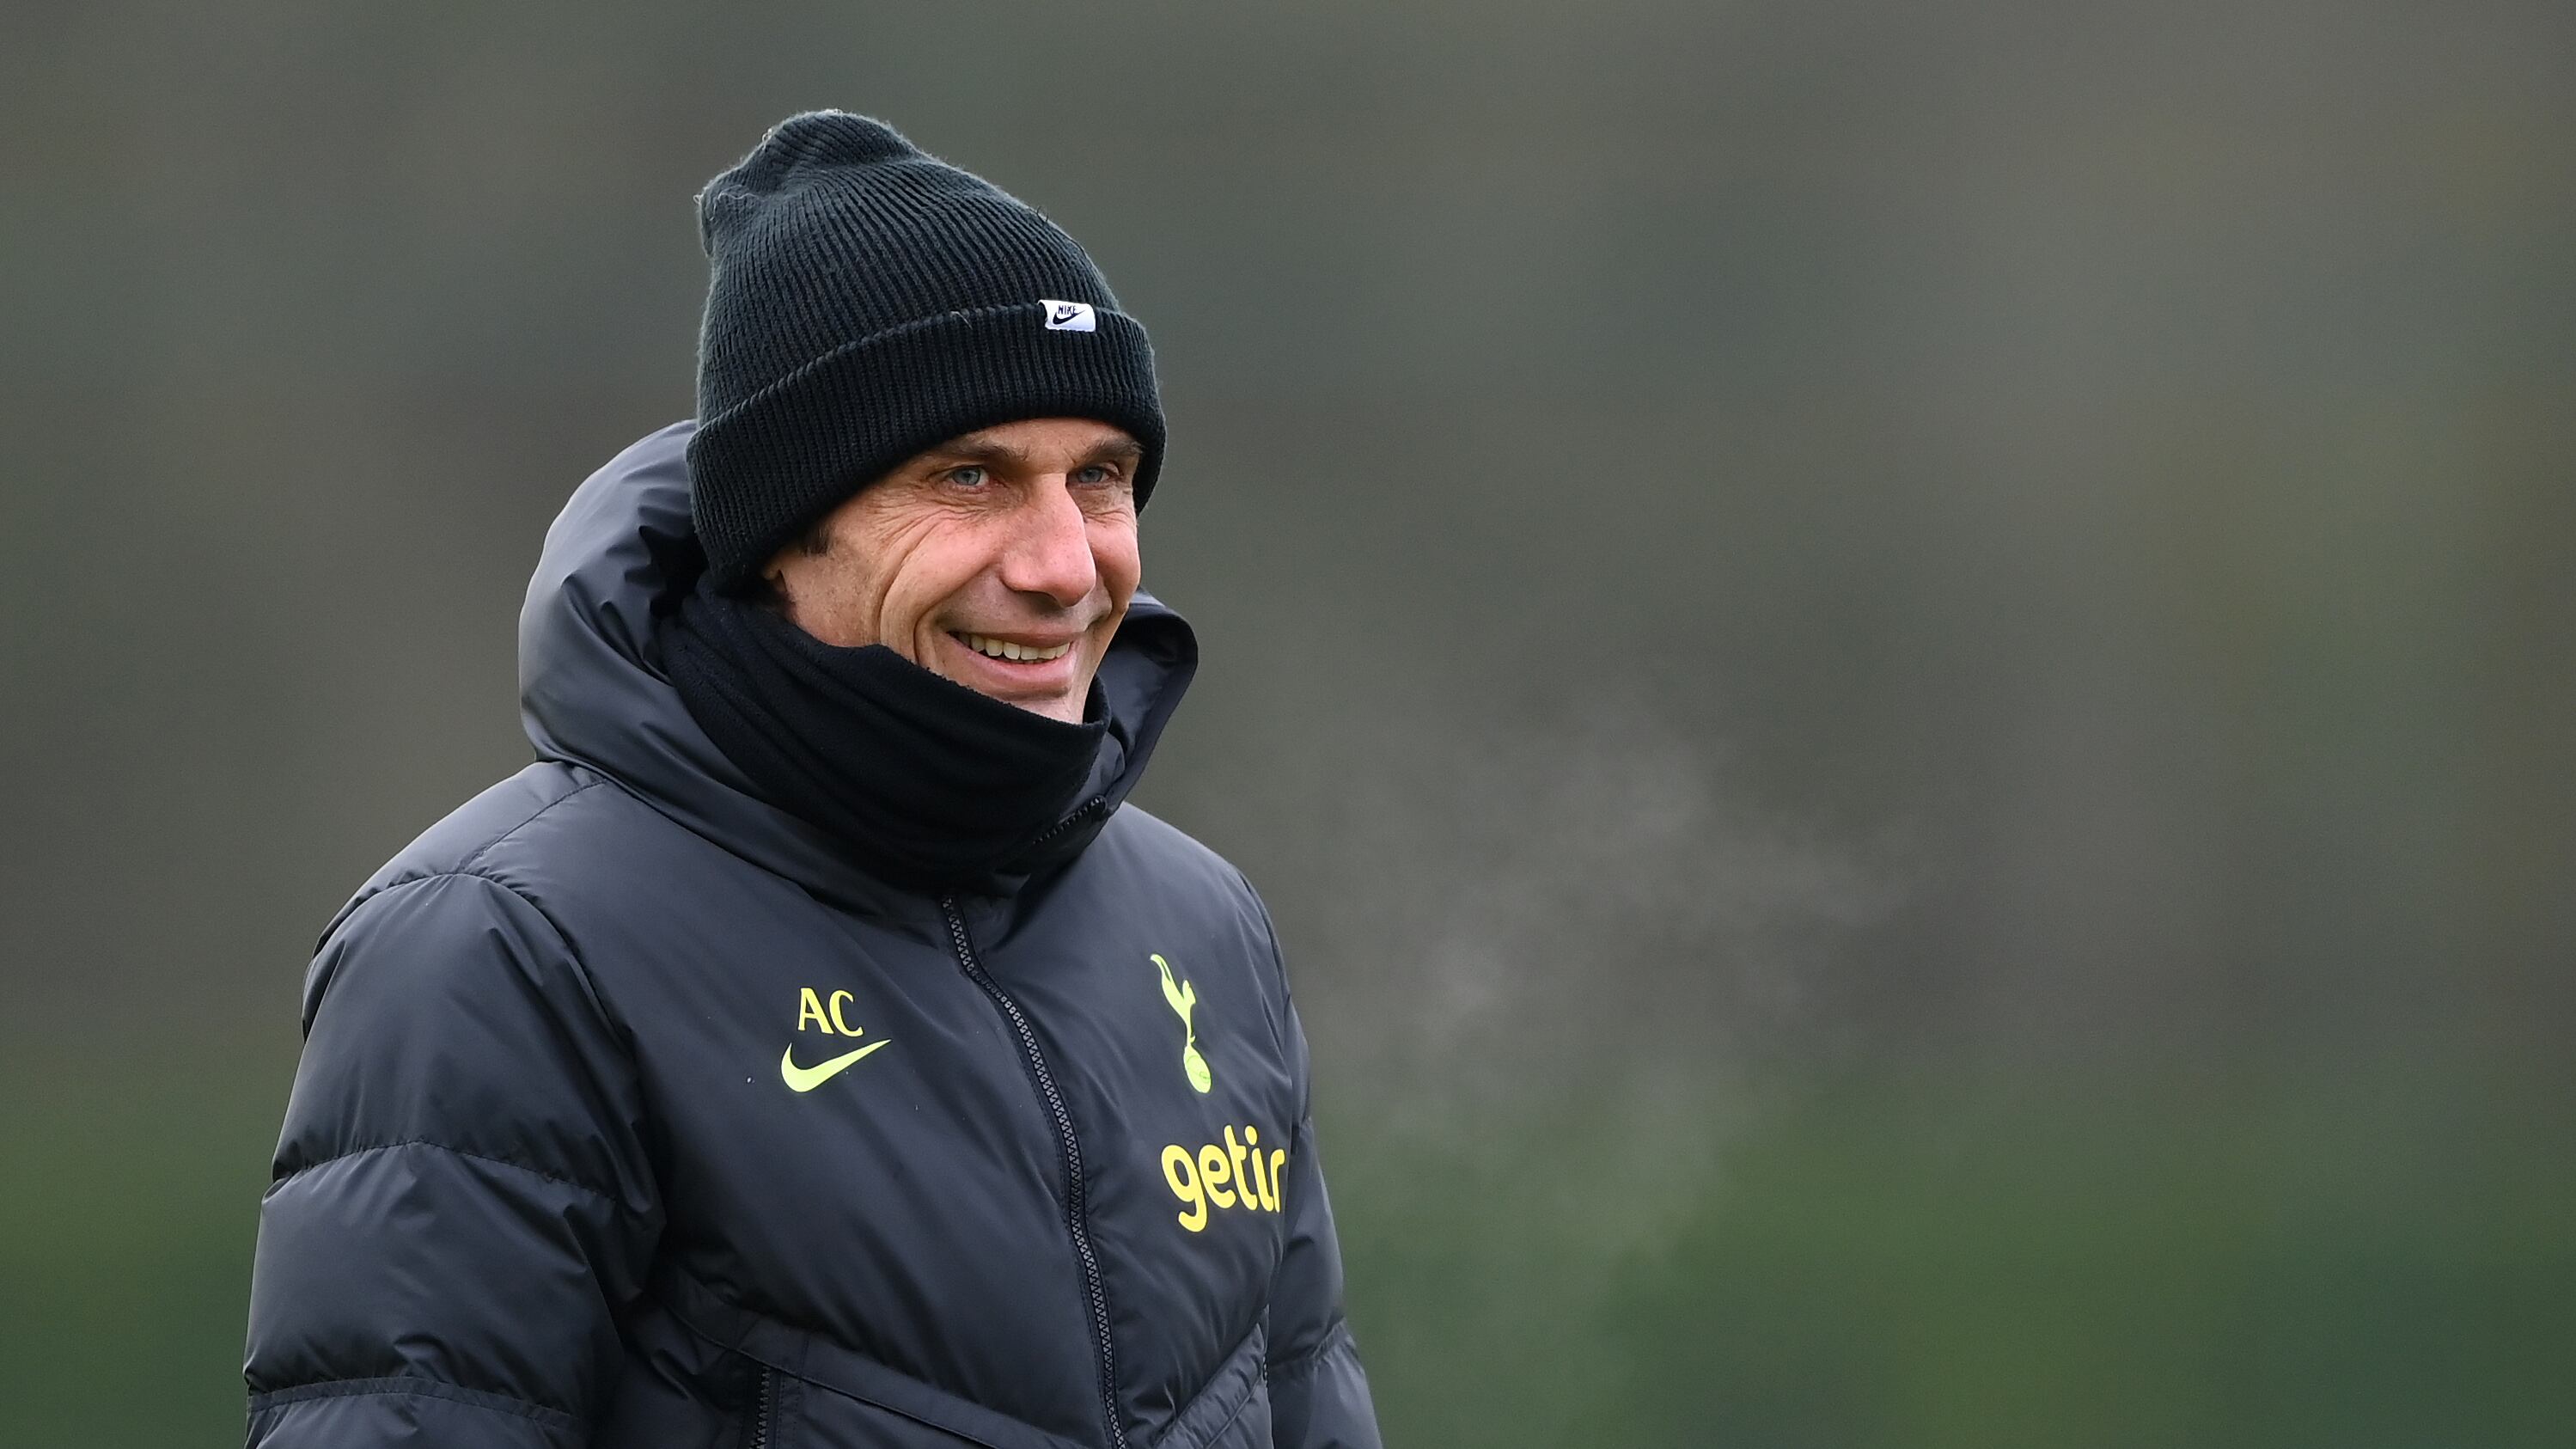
x=866, y=302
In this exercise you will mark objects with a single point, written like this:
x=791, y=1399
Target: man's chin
x=1066, y=704
x=1065, y=707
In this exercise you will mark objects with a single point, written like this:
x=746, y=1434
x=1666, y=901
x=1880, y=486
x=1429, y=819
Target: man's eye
x=1096, y=473
x=967, y=477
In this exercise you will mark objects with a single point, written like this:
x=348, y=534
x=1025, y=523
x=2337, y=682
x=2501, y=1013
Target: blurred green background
x=1902, y=675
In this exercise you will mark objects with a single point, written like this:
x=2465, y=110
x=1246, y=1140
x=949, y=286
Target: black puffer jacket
x=631, y=1114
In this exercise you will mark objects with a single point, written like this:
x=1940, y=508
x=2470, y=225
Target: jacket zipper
x=1074, y=1213
x=1081, y=812
x=760, y=1414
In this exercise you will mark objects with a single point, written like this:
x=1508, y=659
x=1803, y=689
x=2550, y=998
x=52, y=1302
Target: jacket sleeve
x=1319, y=1394
x=461, y=1200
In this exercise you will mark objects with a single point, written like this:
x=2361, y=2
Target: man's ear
x=771, y=587
x=767, y=588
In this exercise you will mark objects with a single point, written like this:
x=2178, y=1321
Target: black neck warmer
x=926, y=783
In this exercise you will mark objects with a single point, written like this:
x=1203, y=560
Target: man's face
x=1016, y=540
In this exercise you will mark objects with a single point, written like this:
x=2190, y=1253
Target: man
x=813, y=1049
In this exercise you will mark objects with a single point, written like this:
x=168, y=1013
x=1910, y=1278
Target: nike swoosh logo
x=806, y=1079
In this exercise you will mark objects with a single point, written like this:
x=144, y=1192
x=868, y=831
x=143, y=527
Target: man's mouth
x=993, y=648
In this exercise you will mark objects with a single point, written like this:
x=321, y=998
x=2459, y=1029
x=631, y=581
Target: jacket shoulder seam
x=428, y=1388
x=581, y=968
x=363, y=1149
x=464, y=864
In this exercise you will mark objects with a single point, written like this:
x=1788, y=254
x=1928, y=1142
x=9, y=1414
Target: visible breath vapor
x=1578, y=925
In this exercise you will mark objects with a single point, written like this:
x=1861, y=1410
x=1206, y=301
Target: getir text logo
x=1234, y=1175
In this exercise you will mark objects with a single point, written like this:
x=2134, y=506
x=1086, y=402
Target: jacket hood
x=592, y=691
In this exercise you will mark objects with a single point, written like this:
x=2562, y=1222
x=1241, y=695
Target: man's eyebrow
x=976, y=448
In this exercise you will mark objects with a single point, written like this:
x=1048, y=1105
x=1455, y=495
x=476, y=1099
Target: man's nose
x=1050, y=550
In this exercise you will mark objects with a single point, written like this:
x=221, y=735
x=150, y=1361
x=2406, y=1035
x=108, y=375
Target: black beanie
x=867, y=302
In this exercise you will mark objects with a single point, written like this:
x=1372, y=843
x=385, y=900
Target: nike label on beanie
x=1069, y=316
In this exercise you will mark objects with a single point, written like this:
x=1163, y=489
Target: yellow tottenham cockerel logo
x=1185, y=999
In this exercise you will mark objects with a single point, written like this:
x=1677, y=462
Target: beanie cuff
x=767, y=468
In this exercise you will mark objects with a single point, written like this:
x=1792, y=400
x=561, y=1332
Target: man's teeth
x=1005, y=649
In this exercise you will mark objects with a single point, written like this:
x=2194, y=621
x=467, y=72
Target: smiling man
x=1003, y=560
x=813, y=1048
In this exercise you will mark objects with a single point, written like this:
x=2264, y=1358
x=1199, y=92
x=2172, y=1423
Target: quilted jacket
x=631, y=1113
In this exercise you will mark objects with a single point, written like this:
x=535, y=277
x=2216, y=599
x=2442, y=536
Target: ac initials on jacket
x=810, y=1007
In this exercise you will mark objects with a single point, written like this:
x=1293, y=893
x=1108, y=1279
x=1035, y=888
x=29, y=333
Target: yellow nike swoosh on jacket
x=806, y=1079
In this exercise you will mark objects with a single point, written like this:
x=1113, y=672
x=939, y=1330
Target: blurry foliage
x=2117, y=1263
x=2087, y=1258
